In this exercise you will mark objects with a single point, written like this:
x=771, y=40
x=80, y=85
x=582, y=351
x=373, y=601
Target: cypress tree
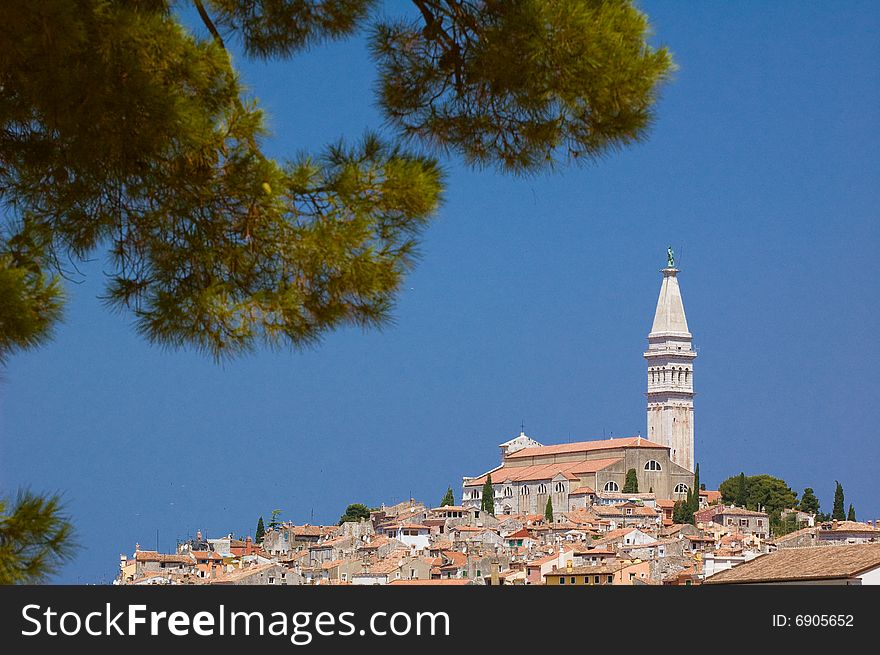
x=631, y=485
x=261, y=531
x=694, y=497
x=488, y=504
x=838, y=511
x=851, y=516
x=448, y=499
x=548, y=510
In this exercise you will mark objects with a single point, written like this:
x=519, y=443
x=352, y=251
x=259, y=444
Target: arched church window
x=508, y=492
x=653, y=465
x=680, y=488
x=560, y=488
x=542, y=488
x=524, y=491
x=611, y=486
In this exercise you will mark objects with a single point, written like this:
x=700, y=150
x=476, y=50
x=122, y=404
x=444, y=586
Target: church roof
x=669, y=317
x=571, y=471
x=585, y=446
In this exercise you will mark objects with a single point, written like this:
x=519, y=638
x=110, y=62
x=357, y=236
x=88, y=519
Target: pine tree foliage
x=36, y=538
x=548, y=510
x=261, y=531
x=126, y=136
x=809, y=502
x=851, y=514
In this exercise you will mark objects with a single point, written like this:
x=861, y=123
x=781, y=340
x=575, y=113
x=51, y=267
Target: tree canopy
x=354, y=513
x=809, y=501
x=36, y=538
x=766, y=492
x=127, y=136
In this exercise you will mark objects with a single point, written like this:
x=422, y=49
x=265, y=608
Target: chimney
x=834, y=524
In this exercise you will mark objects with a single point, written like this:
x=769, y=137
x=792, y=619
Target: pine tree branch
x=206, y=19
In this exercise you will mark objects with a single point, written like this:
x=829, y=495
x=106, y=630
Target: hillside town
x=617, y=511
x=617, y=540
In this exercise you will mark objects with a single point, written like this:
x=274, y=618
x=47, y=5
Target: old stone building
x=575, y=475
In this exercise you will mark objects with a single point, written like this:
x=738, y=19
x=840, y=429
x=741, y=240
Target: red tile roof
x=571, y=471
x=586, y=446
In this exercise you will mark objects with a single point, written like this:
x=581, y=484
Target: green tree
x=838, y=512
x=681, y=512
x=261, y=531
x=766, y=492
x=783, y=525
x=354, y=513
x=273, y=519
x=694, y=496
x=548, y=510
x=36, y=538
x=140, y=142
x=488, y=502
x=809, y=502
x=851, y=515
x=631, y=484
x=448, y=499
x=742, y=493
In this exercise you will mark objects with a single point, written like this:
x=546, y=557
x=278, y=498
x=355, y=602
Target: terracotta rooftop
x=740, y=511
x=586, y=446
x=804, y=564
x=448, y=582
x=570, y=470
x=599, y=569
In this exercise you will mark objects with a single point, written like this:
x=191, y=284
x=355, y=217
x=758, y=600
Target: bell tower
x=670, y=360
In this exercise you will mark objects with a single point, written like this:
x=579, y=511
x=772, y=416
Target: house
x=414, y=535
x=738, y=519
x=397, y=566
x=847, y=532
x=538, y=568
x=723, y=559
x=628, y=514
x=857, y=564
x=613, y=572
x=261, y=574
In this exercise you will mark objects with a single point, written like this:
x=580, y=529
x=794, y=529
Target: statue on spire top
x=670, y=258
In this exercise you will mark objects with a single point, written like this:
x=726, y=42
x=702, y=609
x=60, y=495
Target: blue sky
x=531, y=303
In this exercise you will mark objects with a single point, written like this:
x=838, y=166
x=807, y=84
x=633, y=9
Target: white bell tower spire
x=671, y=373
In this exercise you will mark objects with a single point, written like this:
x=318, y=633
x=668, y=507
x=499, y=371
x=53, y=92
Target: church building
x=576, y=475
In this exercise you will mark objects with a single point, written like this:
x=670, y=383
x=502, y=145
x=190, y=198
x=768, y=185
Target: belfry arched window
x=611, y=486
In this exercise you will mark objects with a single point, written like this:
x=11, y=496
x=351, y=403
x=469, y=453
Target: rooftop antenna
x=522, y=427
